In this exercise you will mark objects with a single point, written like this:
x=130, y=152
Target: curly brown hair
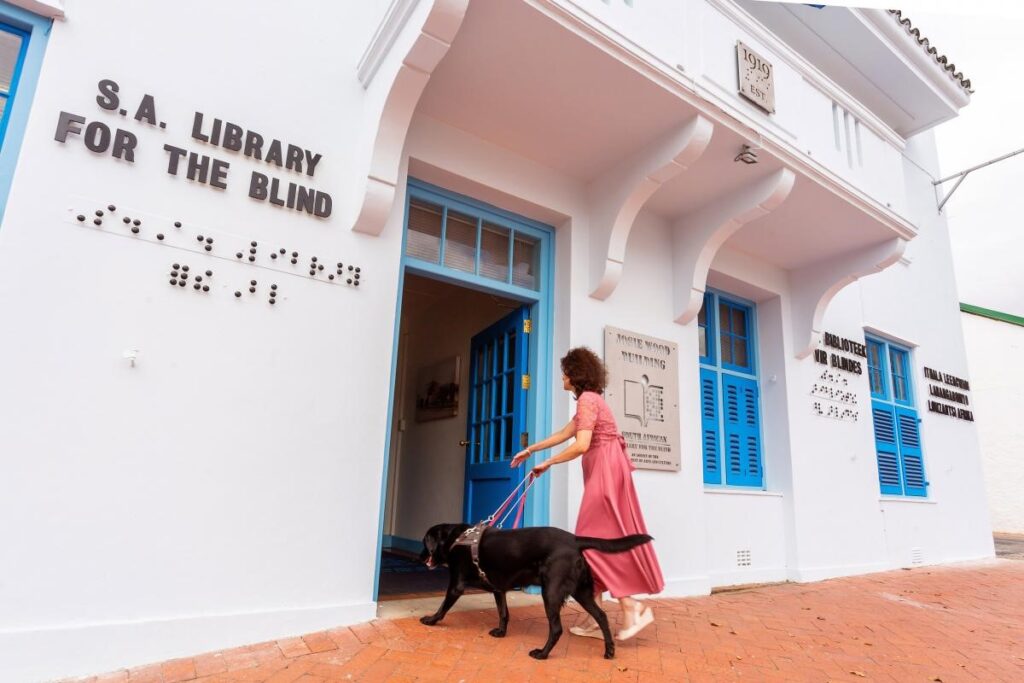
x=585, y=370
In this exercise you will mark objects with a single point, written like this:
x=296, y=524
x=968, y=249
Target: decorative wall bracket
x=435, y=38
x=698, y=236
x=814, y=286
x=617, y=196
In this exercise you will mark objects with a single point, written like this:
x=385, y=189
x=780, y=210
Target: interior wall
x=438, y=321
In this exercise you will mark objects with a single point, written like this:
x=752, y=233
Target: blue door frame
x=540, y=303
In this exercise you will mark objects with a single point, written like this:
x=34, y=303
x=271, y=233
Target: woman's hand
x=541, y=468
x=520, y=457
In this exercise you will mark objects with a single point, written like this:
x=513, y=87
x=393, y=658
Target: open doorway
x=459, y=416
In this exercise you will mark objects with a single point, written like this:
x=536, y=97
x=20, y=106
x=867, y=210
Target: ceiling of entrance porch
x=520, y=81
x=517, y=79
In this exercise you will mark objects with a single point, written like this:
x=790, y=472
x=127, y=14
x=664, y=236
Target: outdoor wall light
x=747, y=155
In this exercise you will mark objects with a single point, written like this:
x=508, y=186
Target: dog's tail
x=612, y=545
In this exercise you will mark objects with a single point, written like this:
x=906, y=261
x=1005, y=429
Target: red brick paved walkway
x=929, y=624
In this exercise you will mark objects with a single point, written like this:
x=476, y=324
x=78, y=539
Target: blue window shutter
x=710, y=439
x=742, y=431
x=910, y=452
x=884, y=418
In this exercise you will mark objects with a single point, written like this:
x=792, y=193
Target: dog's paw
x=609, y=652
x=429, y=621
x=538, y=654
x=497, y=633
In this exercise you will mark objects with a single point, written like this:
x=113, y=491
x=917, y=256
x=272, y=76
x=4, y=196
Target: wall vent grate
x=743, y=558
x=916, y=556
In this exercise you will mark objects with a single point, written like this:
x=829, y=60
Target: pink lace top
x=592, y=413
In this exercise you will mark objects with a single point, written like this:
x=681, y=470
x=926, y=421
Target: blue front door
x=497, y=413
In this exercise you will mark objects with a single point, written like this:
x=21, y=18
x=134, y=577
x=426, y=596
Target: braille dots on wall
x=182, y=277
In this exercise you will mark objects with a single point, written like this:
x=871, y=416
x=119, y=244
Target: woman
x=610, y=508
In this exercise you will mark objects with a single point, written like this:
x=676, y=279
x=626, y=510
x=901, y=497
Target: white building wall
x=997, y=378
x=227, y=488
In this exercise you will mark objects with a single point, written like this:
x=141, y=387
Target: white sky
x=985, y=39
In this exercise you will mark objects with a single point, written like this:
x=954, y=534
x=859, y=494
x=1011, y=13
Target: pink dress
x=610, y=508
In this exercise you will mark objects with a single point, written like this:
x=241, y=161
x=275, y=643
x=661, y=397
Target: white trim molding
x=384, y=39
x=51, y=9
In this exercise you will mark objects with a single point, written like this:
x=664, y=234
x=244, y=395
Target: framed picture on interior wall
x=437, y=390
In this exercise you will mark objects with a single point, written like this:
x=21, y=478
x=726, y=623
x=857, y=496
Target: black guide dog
x=544, y=556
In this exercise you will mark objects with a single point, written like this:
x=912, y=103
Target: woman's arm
x=580, y=446
x=558, y=437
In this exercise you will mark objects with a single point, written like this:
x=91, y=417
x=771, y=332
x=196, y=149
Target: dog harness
x=471, y=537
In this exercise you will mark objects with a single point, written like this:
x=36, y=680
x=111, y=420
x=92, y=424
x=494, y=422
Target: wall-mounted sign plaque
x=643, y=392
x=939, y=392
x=756, y=77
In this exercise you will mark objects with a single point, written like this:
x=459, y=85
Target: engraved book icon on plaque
x=644, y=401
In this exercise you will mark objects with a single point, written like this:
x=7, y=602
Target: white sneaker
x=592, y=631
x=643, y=620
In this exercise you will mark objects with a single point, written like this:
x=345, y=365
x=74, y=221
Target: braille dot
x=238, y=294
x=357, y=269
x=339, y=271
x=174, y=273
x=209, y=273
x=349, y=280
x=98, y=212
x=160, y=236
x=295, y=253
x=208, y=248
x=252, y=259
x=314, y=259
x=252, y=282
x=331, y=276
x=252, y=244
x=197, y=286
x=312, y=271
x=252, y=251
x=320, y=267
x=177, y=224
x=339, y=264
x=126, y=220
x=173, y=281
x=135, y=230
x=283, y=252
x=111, y=207
x=181, y=284
x=97, y=221
x=252, y=290
x=238, y=255
x=273, y=286
x=185, y=268
x=295, y=260
x=80, y=217
x=136, y=222
x=199, y=278
x=176, y=266
x=199, y=238
x=206, y=288
x=350, y=267
x=273, y=256
x=357, y=283
x=209, y=240
x=271, y=301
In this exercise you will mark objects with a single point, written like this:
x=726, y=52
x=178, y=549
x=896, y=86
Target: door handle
x=463, y=442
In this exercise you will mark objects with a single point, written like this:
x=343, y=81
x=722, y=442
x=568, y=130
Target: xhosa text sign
x=643, y=392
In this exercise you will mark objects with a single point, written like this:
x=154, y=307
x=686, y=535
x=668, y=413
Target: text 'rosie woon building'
x=284, y=285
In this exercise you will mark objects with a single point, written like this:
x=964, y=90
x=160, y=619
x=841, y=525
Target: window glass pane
x=501, y=353
x=10, y=46
x=899, y=376
x=739, y=352
x=739, y=322
x=873, y=358
x=702, y=315
x=423, y=239
x=512, y=349
x=526, y=262
x=485, y=443
x=703, y=336
x=876, y=380
x=460, y=242
x=726, y=347
x=509, y=391
x=723, y=317
x=506, y=451
x=494, y=251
